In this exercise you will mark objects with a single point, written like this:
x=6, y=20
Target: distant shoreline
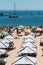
x=21, y=10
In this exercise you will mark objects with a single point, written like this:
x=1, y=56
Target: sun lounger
x=31, y=36
x=3, y=61
x=24, y=60
x=3, y=53
x=9, y=37
x=29, y=40
x=28, y=44
x=6, y=46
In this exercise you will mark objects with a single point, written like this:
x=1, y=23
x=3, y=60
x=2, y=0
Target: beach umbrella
x=38, y=29
x=21, y=26
x=4, y=33
x=26, y=50
x=33, y=27
x=27, y=31
x=25, y=60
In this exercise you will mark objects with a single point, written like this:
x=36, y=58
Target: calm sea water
x=24, y=18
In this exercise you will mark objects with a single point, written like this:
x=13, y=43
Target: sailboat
x=38, y=12
x=14, y=15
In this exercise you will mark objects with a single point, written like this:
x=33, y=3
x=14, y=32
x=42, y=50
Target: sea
x=33, y=18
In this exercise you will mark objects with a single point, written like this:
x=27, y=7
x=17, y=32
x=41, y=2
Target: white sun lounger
x=26, y=50
x=3, y=60
x=25, y=60
x=3, y=45
x=29, y=40
x=6, y=41
x=34, y=50
x=31, y=35
x=9, y=37
x=28, y=44
x=2, y=51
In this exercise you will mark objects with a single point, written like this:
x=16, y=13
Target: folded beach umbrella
x=25, y=60
x=29, y=40
x=26, y=50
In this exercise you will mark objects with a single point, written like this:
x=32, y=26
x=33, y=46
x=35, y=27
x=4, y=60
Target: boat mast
x=38, y=12
x=14, y=8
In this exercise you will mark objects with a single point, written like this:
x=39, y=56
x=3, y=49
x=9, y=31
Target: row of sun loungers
x=6, y=44
x=28, y=51
x=26, y=54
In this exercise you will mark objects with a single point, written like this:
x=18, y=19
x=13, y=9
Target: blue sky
x=21, y=4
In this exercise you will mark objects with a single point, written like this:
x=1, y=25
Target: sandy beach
x=39, y=52
x=21, y=32
x=17, y=43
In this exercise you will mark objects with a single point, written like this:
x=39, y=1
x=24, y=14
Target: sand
x=18, y=43
x=39, y=51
